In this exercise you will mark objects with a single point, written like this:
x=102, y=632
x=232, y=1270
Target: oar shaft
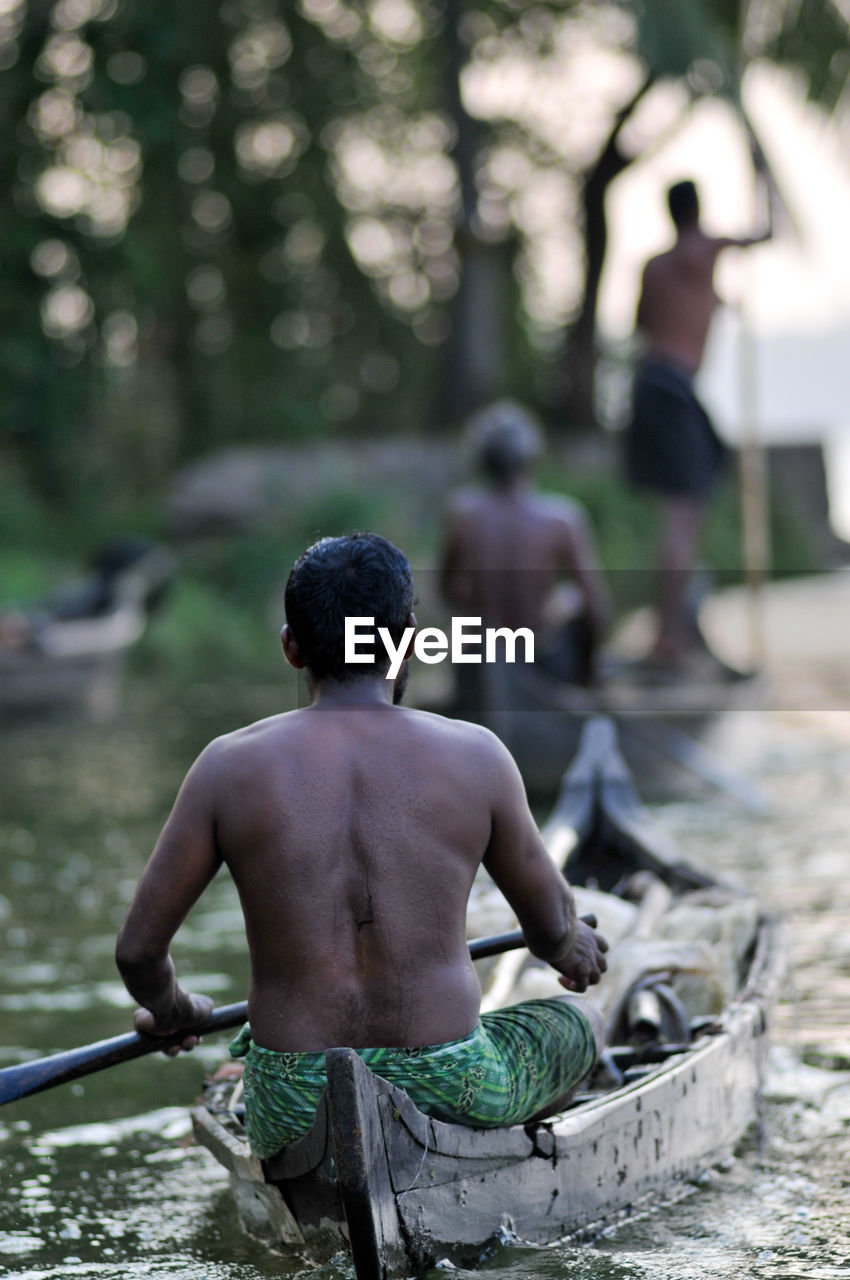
x=60, y=1068
x=480, y=948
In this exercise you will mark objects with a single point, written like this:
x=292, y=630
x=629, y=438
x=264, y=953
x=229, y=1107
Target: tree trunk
x=474, y=363
x=582, y=352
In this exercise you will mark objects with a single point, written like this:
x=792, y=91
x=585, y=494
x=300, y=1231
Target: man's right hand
x=189, y=1011
x=586, y=963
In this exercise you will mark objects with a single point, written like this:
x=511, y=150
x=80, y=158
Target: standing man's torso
x=678, y=300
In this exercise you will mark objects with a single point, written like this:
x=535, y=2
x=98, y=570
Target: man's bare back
x=354, y=884
x=506, y=550
x=677, y=297
x=383, y=873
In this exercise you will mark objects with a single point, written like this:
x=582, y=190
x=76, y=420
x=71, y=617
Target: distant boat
x=665, y=725
x=66, y=653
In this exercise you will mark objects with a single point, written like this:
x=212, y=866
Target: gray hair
x=505, y=438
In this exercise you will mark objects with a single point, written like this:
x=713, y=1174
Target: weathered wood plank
x=604, y=1157
x=261, y=1208
x=374, y=1235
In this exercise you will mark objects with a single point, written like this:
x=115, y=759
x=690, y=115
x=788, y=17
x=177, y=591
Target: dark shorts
x=671, y=445
x=516, y=1062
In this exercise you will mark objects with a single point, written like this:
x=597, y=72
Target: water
x=100, y=1178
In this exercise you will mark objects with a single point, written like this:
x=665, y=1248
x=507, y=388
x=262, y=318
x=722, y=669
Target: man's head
x=507, y=440
x=683, y=203
x=359, y=576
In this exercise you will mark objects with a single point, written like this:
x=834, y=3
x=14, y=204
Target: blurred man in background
x=672, y=448
x=519, y=558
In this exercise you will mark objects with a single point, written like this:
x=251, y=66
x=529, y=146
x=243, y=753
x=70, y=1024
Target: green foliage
x=672, y=36
x=709, y=43
x=208, y=293
x=205, y=633
x=257, y=220
x=625, y=525
x=810, y=36
x=27, y=576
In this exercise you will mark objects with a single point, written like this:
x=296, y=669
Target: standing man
x=671, y=445
x=353, y=829
x=520, y=558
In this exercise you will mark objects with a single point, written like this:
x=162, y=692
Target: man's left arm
x=746, y=242
x=579, y=558
x=519, y=863
x=184, y=861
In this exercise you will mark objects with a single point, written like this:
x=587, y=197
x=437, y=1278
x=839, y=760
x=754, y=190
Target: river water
x=100, y=1179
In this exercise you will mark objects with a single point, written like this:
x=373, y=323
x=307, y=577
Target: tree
x=264, y=220
x=191, y=255
x=706, y=46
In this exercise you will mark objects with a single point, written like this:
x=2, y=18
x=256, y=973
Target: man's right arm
x=520, y=865
x=183, y=863
x=452, y=577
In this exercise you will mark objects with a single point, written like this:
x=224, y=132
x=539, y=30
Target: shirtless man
x=671, y=445
x=353, y=829
x=518, y=558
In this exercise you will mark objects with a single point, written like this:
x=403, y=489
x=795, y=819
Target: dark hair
x=683, y=203
x=360, y=575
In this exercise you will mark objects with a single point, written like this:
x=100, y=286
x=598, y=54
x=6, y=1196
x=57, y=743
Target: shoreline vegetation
x=225, y=608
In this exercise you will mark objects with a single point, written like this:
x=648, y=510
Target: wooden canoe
x=402, y=1191
x=63, y=678
x=73, y=659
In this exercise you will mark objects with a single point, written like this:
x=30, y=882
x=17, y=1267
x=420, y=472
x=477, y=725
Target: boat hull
x=402, y=1190
x=422, y=1190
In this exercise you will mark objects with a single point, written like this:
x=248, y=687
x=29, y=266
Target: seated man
x=353, y=829
x=519, y=558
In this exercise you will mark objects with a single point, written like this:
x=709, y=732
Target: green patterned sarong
x=516, y=1062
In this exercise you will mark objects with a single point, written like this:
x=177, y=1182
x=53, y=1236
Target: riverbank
x=795, y=857
x=235, y=521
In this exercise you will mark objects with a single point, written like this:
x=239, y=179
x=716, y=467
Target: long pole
x=753, y=479
x=754, y=488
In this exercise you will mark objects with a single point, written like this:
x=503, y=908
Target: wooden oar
x=59, y=1068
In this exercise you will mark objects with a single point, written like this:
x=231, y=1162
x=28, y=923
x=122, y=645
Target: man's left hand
x=586, y=962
